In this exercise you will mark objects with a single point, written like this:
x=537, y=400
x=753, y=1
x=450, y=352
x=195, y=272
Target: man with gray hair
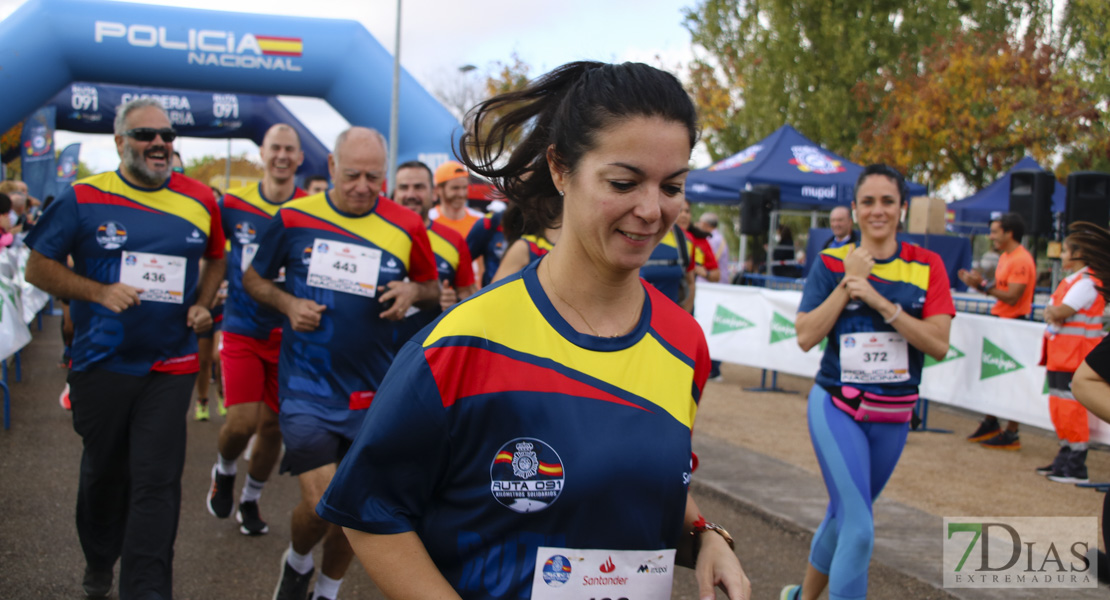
x=840, y=221
x=138, y=297
x=354, y=263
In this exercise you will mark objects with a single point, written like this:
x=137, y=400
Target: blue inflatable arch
x=47, y=44
x=91, y=108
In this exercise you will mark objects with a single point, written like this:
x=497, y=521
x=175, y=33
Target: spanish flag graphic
x=279, y=46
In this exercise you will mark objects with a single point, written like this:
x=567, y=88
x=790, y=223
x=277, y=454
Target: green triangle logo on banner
x=995, y=361
x=782, y=329
x=824, y=344
x=953, y=354
x=1045, y=390
x=724, y=321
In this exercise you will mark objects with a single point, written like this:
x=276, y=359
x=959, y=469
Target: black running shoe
x=292, y=585
x=250, y=521
x=219, y=500
x=988, y=428
x=97, y=584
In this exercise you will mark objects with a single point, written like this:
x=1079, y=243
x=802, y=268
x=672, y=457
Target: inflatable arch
x=91, y=108
x=48, y=44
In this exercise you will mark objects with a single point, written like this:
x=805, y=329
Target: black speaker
x=1031, y=197
x=1089, y=198
x=756, y=205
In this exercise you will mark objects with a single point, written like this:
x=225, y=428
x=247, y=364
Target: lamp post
x=394, y=118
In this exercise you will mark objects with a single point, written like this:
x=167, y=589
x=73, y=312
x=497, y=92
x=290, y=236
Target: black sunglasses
x=146, y=134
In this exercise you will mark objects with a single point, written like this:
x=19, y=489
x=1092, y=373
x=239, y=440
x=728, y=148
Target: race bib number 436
x=343, y=267
x=160, y=276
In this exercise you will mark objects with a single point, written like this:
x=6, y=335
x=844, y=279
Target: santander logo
x=608, y=566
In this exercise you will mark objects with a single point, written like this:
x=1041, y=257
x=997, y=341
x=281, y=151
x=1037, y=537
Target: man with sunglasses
x=138, y=297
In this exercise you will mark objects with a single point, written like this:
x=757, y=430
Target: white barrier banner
x=991, y=365
x=14, y=334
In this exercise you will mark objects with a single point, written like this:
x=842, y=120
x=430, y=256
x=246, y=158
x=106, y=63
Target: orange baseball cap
x=450, y=170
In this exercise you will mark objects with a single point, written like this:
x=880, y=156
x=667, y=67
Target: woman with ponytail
x=535, y=439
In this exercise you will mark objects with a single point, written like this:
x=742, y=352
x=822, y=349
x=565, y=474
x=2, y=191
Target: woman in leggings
x=882, y=306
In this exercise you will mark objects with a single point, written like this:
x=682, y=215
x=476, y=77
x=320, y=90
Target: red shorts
x=250, y=369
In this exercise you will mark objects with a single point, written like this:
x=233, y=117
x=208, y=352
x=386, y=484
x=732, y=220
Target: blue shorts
x=315, y=435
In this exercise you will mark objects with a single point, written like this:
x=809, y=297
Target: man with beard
x=354, y=261
x=138, y=296
x=413, y=190
x=252, y=337
x=452, y=185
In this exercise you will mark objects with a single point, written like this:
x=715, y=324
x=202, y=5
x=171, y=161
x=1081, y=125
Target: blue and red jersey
x=500, y=429
x=665, y=269
x=341, y=363
x=95, y=222
x=246, y=212
x=486, y=241
x=453, y=265
x=913, y=278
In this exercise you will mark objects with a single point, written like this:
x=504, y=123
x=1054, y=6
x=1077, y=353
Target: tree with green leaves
x=762, y=63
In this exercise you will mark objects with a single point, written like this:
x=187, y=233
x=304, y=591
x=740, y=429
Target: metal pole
x=394, y=120
x=227, y=172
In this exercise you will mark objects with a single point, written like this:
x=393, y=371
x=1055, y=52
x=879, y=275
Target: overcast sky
x=439, y=36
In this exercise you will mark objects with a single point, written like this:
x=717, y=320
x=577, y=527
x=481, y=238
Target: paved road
x=40, y=556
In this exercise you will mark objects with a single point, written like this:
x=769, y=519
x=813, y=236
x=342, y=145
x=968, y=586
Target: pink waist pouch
x=873, y=408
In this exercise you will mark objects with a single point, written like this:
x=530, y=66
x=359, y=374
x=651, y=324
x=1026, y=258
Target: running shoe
x=220, y=408
x=201, y=412
x=63, y=399
x=292, y=585
x=1071, y=470
x=219, y=500
x=1057, y=463
x=1007, y=440
x=791, y=592
x=97, y=584
x=250, y=521
x=988, y=428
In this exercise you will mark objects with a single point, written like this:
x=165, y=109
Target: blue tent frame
x=808, y=176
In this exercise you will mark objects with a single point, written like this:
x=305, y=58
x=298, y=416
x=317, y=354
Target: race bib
x=343, y=267
x=249, y=250
x=160, y=276
x=874, y=357
x=568, y=573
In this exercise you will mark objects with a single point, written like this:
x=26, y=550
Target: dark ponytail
x=1093, y=243
x=564, y=109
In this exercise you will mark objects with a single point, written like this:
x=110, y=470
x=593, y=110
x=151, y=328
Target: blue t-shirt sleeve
x=478, y=237
x=270, y=257
x=399, y=457
x=56, y=232
x=819, y=284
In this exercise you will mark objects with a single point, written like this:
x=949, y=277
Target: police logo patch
x=526, y=475
x=111, y=235
x=245, y=232
x=556, y=571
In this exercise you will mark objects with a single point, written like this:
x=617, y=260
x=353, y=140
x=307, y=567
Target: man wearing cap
x=452, y=181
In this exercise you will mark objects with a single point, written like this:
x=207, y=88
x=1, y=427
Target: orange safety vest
x=1079, y=334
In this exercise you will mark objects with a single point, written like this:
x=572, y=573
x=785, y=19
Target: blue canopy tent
x=973, y=214
x=809, y=177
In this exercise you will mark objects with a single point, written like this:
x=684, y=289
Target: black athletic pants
x=129, y=497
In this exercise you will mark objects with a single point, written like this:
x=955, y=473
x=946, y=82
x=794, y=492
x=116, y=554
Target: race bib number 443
x=160, y=276
x=569, y=573
x=343, y=267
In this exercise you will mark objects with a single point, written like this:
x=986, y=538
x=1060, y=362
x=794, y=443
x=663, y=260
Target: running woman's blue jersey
x=664, y=269
x=500, y=429
x=913, y=278
x=95, y=222
x=343, y=361
x=486, y=241
x=453, y=265
x=245, y=213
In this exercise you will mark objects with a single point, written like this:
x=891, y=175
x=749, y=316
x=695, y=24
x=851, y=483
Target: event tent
x=973, y=214
x=808, y=176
